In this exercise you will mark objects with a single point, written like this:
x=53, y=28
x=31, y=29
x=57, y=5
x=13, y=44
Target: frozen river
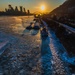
x=15, y=25
x=29, y=53
x=22, y=57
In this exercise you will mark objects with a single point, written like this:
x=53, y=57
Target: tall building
x=6, y=10
x=16, y=8
x=21, y=9
x=24, y=10
x=28, y=11
x=10, y=7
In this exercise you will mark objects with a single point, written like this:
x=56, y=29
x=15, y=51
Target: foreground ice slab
x=3, y=45
x=5, y=41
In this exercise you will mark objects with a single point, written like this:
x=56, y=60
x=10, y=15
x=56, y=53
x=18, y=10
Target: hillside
x=67, y=8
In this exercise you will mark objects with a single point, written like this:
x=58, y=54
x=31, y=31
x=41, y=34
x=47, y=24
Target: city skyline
x=17, y=11
x=32, y=5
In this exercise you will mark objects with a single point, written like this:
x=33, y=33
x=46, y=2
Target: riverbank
x=67, y=39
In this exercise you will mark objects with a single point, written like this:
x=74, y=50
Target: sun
x=42, y=7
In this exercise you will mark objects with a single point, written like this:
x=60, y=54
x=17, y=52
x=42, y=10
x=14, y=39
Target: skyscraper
x=24, y=10
x=21, y=9
x=16, y=8
x=10, y=7
x=28, y=11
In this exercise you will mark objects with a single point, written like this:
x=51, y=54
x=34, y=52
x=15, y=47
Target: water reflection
x=15, y=25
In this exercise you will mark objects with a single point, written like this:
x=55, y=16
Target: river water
x=28, y=53
x=15, y=24
x=22, y=57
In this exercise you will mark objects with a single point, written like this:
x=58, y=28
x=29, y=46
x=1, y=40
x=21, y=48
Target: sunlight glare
x=42, y=7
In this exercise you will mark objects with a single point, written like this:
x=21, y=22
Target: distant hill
x=67, y=8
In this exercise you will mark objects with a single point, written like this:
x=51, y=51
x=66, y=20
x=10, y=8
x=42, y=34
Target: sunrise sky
x=32, y=5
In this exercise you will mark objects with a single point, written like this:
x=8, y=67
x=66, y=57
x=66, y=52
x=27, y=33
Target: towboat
x=36, y=27
x=29, y=27
x=44, y=32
